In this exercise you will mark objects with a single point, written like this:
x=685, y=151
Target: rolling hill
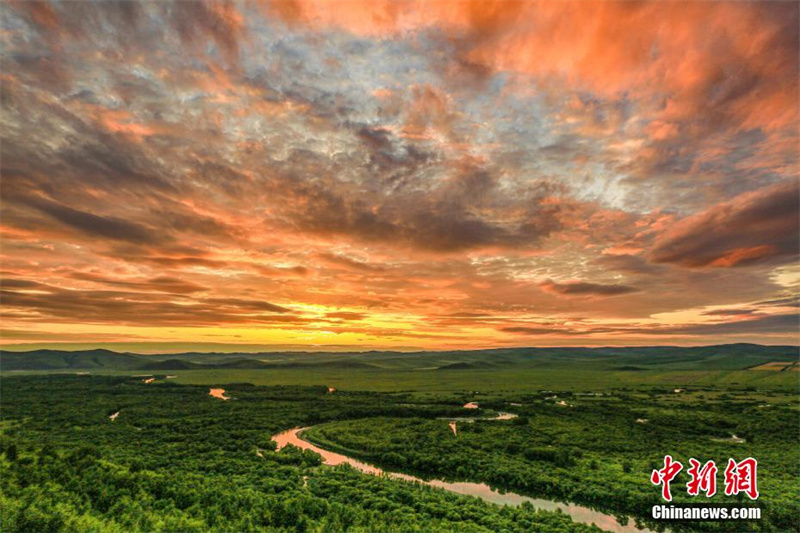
x=722, y=357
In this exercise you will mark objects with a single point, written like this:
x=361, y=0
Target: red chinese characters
x=702, y=478
x=741, y=477
x=665, y=475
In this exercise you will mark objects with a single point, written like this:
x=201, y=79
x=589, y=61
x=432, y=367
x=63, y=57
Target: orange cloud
x=738, y=59
x=388, y=170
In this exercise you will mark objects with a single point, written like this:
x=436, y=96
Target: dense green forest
x=100, y=452
x=597, y=449
x=176, y=459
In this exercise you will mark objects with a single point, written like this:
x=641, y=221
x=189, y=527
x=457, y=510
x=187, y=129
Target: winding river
x=478, y=490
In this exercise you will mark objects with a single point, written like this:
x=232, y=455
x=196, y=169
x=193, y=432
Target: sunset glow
x=404, y=175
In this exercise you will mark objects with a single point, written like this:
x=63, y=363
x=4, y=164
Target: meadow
x=496, y=381
x=498, y=371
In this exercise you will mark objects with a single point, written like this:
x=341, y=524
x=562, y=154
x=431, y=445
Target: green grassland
x=494, y=381
x=721, y=357
x=505, y=370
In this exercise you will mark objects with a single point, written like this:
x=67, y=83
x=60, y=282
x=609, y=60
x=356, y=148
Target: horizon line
x=410, y=351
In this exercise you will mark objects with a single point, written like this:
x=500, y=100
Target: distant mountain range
x=721, y=357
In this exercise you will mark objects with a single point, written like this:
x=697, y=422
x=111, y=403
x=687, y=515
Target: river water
x=218, y=393
x=479, y=490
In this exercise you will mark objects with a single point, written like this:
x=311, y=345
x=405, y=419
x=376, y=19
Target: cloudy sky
x=399, y=174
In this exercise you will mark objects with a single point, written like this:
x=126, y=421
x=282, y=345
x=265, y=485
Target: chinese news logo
x=738, y=477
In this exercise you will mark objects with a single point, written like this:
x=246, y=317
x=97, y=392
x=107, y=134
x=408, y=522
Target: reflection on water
x=498, y=416
x=478, y=490
x=329, y=458
x=218, y=393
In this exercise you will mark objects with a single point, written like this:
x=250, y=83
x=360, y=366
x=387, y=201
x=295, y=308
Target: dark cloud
x=523, y=330
x=582, y=288
x=789, y=301
x=108, y=227
x=176, y=219
x=775, y=324
x=165, y=261
x=730, y=312
x=165, y=284
x=18, y=283
x=630, y=264
x=461, y=214
x=141, y=308
x=253, y=305
x=350, y=263
x=273, y=271
x=129, y=25
x=756, y=227
x=375, y=138
x=762, y=324
x=87, y=156
x=18, y=334
x=203, y=21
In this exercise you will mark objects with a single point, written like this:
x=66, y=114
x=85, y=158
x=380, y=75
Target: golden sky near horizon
x=398, y=174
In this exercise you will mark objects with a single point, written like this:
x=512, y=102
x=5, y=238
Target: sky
x=398, y=174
